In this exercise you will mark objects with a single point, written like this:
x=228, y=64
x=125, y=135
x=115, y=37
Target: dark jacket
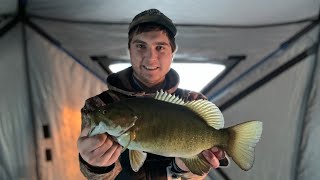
x=123, y=85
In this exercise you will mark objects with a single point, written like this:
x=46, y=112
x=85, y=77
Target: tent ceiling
x=208, y=12
x=94, y=28
x=8, y=6
x=85, y=40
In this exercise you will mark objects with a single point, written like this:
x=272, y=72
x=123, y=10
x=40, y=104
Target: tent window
x=193, y=76
x=48, y=155
x=198, y=74
x=46, y=131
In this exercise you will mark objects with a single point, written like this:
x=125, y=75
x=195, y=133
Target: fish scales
x=170, y=130
x=167, y=126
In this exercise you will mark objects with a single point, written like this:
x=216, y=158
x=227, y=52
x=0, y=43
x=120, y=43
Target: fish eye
x=104, y=112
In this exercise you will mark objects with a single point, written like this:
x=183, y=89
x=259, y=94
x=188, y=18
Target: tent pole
x=21, y=17
x=30, y=99
x=9, y=26
x=59, y=46
x=281, y=48
x=268, y=77
x=232, y=62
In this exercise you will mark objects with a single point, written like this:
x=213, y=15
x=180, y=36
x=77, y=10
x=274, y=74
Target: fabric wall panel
x=278, y=105
x=60, y=87
x=308, y=167
x=17, y=144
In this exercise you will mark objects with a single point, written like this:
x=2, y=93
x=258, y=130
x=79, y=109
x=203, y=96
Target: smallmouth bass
x=166, y=125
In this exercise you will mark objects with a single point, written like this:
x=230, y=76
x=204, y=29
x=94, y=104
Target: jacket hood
x=123, y=82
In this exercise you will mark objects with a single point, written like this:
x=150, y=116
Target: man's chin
x=150, y=82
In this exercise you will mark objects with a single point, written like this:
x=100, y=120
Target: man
x=151, y=45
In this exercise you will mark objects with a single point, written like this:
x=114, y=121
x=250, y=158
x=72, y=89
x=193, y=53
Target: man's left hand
x=212, y=155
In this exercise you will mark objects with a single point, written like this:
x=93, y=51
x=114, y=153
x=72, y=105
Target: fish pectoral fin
x=132, y=137
x=137, y=159
x=197, y=165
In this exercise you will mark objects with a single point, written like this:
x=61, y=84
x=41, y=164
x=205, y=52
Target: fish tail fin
x=242, y=141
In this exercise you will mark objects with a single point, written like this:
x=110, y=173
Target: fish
x=168, y=126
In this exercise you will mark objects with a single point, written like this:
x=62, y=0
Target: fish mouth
x=115, y=131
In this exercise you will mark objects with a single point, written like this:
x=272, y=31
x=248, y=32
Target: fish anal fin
x=137, y=159
x=197, y=165
x=208, y=111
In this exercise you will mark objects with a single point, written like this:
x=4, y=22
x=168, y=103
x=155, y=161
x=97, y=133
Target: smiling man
x=151, y=45
x=151, y=57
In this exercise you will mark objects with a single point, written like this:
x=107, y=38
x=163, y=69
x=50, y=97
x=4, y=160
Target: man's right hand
x=99, y=150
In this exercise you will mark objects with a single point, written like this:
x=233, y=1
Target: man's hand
x=99, y=150
x=212, y=155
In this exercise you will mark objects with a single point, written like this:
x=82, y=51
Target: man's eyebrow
x=138, y=41
x=162, y=43
x=157, y=43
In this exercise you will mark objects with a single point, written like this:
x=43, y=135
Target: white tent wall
x=240, y=79
x=60, y=87
x=84, y=40
x=310, y=148
x=17, y=143
x=278, y=105
x=281, y=105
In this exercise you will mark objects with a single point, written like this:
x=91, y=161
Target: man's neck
x=149, y=89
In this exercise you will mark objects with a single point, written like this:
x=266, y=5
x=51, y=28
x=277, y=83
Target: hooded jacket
x=124, y=85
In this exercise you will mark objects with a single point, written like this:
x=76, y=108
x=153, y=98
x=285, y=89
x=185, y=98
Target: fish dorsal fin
x=163, y=96
x=208, y=111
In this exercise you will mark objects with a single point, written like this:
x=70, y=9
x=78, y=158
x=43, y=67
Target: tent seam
x=304, y=112
x=177, y=24
x=59, y=46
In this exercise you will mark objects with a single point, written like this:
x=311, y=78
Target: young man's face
x=151, y=57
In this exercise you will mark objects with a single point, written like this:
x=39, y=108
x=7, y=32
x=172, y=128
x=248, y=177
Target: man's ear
x=174, y=52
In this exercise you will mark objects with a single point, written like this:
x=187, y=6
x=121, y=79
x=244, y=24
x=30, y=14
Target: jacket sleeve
x=97, y=173
x=89, y=171
x=187, y=95
x=191, y=95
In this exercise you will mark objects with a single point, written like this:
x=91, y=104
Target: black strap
x=106, y=97
x=96, y=169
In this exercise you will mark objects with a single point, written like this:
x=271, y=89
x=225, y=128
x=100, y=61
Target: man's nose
x=151, y=55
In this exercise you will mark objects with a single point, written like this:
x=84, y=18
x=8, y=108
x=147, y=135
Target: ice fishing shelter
x=54, y=55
